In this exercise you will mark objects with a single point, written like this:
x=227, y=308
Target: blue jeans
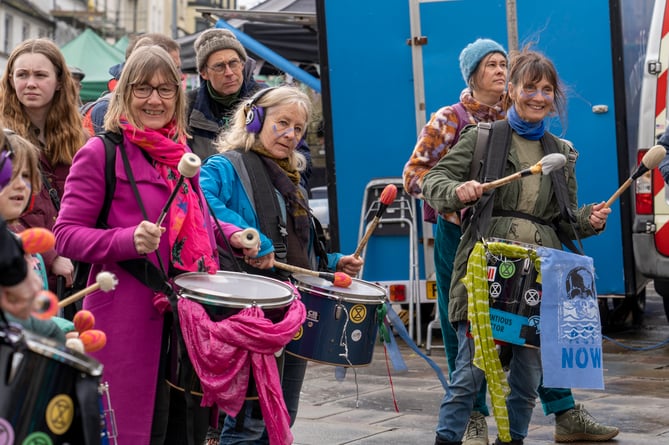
x=252, y=426
x=446, y=240
x=524, y=379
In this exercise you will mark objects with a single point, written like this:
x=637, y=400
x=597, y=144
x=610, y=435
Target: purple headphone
x=6, y=163
x=255, y=115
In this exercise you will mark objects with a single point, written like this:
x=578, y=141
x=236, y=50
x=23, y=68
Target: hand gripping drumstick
x=387, y=197
x=105, y=281
x=650, y=160
x=188, y=167
x=545, y=165
x=250, y=239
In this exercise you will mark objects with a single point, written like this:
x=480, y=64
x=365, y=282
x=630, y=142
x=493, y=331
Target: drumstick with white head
x=188, y=167
x=250, y=239
x=387, y=197
x=545, y=165
x=650, y=160
x=104, y=281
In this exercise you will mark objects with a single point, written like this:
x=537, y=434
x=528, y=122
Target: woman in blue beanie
x=483, y=64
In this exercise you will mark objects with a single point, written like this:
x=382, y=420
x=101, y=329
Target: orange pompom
x=45, y=305
x=342, y=280
x=83, y=321
x=37, y=240
x=93, y=340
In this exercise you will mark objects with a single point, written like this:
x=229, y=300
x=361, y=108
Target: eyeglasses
x=166, y=90
x=223, y=66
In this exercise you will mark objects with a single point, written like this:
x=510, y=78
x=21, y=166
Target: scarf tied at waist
x=223, y=352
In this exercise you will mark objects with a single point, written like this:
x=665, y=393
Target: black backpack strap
x=559, y=182
x=497, y=140
x=111, y=141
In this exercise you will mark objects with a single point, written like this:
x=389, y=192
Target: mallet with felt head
x=545, y=165
x=188, y=167
x=250, y=239
x=650, y=160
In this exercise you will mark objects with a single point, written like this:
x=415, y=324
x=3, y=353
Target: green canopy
x=122, y=43
x=94, y=57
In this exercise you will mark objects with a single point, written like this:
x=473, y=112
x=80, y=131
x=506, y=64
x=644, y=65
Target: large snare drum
x=341, y=324
x=515, y=292
x=48, y=392
x=224, y=294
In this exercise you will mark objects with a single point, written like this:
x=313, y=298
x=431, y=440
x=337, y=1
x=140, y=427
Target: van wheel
x=662, y=288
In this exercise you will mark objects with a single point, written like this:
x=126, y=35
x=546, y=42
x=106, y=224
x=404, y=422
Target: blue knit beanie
x=474, y=52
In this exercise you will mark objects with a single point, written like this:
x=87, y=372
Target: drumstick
x=250, y=239
x=545, y=165
x=105, y=281
x=650, y=160
x=387, y=197
x=339, y=279
x=188, y=167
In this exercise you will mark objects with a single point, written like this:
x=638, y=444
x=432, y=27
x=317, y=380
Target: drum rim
x=52, y=349
x=334, y=294
x=236, y=302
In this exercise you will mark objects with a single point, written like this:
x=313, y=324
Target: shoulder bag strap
x=559, y=182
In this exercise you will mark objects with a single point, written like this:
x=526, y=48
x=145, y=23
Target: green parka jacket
x=453, y=169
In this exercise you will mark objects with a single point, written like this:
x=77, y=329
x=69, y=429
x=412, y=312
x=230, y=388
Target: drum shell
x=243, y=290
x=39, y=384
x=320, y=336
x=515, y=293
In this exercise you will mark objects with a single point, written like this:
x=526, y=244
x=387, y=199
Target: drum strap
x=264, y=195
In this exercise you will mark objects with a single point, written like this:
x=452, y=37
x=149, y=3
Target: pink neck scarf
x=223, y=352
x=191, y=250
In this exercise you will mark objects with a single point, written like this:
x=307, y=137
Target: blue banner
x=571, y=335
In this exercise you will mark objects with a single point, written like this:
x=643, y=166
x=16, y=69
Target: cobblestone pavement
x=360, y=409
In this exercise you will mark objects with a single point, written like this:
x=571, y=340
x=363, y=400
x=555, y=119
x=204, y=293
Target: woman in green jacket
x=521, y=212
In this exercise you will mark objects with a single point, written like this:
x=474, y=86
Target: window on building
x=7, y=41
x=25, y=31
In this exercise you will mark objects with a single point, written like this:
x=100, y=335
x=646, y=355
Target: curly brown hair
x=64, y=133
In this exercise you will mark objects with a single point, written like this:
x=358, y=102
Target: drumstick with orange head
x=104, y=281
x=250, y=239
x=387, y=197
x=545, y=165
x=339, y=279
x=650, y=160
x=37, y=240
x=188, y=167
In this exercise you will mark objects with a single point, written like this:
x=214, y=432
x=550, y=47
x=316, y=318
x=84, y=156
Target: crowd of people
x=108, y=179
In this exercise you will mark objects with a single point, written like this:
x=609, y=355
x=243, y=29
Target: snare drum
x=515, y=291
x=341, y=324
x=48, y=392
x=225, y=294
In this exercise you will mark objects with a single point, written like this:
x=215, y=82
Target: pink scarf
x=223, y=352
x=190, y=250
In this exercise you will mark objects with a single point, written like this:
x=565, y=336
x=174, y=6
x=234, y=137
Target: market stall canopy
x=287, y=28
x=94, y=57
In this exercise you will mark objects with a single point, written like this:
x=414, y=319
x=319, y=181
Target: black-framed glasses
x=144, y=90
x=221, y=67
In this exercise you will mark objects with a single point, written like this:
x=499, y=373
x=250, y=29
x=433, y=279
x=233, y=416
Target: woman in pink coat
x=147, y=109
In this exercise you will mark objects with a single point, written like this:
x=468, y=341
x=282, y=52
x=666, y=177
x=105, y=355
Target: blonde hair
x=64, y=133
x=237, y=136
x=143, y=64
